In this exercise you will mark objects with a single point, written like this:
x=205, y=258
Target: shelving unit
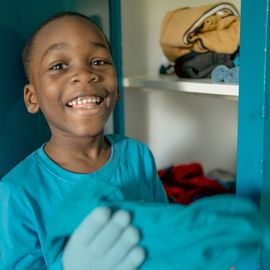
x=182, y=120
x=174, y=83
x=248, y=118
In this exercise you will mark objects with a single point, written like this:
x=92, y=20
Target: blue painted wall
x=21, y=132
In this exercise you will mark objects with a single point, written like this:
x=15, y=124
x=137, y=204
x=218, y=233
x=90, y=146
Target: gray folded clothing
x=200, y=65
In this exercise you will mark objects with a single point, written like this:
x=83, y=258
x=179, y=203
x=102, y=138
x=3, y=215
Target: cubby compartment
x=182, y=120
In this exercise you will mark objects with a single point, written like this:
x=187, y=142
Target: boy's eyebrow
x=63, y=45
x=99, y=45
x=54, y=47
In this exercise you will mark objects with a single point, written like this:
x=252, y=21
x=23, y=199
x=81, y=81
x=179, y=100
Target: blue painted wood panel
x=116, y=45
x=253, y=162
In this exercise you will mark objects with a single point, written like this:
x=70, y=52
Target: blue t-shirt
x=31, y=192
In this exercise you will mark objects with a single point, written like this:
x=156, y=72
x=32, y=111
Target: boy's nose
x=85, y=75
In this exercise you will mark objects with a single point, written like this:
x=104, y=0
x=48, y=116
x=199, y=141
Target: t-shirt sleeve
x=160, y=194
x=158, y=189
x=19, y=245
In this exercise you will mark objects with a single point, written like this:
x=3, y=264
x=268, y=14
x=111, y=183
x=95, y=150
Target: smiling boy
x=72, y=80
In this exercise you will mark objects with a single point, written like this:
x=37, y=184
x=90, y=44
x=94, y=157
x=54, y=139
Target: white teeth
x=85, y=100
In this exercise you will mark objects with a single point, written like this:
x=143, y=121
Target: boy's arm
x=19, y=246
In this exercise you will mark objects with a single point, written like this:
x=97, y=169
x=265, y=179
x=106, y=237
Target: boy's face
x=73, y=79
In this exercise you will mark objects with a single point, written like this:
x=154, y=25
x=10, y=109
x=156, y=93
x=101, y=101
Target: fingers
x=104, y=241
x=123, y=246
x=133, y=260
x=110, y=234
x=91, y=226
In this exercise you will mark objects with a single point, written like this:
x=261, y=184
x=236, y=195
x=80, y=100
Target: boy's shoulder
x=15, y=175
x=125, y=141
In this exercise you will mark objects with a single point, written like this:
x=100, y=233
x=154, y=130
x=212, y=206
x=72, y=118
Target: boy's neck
x=79, y=155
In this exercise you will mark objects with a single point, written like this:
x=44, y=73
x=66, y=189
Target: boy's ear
x=30, y=98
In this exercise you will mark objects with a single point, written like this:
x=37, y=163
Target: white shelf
x=172, y=82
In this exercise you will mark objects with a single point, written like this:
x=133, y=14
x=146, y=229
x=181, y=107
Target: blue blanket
x=213, y=233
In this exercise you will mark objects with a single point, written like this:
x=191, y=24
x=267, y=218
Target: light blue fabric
x=104, y=241
x=212, y=233
x=33, y=189
x=232, y=75
x=218, y=73
x=224, y=74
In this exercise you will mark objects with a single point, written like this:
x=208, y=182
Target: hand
x=104, y=241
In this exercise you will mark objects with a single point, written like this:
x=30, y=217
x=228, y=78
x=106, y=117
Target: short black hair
x=28, y=48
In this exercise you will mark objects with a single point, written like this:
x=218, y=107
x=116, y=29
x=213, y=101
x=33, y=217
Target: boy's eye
x=59, y=66
x=99, y=62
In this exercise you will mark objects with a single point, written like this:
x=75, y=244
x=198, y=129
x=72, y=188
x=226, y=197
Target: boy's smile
x=73, y=80
x=87, y=105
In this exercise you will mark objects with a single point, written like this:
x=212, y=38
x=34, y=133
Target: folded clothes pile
x=198, y=39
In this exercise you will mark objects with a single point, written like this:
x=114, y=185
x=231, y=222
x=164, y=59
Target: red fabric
x=186, y=182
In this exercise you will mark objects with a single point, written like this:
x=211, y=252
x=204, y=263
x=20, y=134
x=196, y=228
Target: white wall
x=178, y=127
